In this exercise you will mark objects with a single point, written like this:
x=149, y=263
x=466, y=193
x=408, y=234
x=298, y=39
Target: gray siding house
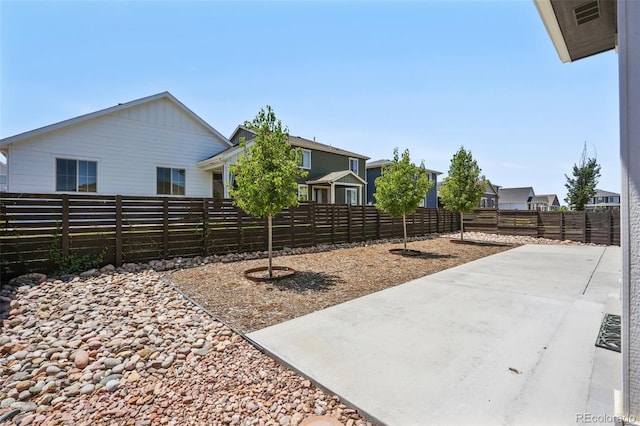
x=545, y=203
x=335, y=176
x=515, y=198
x=374, y=169
x=489, y=198
x=603, y=200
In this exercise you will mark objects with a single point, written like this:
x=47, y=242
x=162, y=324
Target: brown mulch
x=322, y=279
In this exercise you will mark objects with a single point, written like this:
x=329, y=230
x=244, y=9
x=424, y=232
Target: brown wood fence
x=134, y=229
x=586, y=227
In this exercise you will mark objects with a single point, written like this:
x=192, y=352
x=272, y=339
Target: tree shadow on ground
x=304, y=281
x=418, y=254
x=483, y=243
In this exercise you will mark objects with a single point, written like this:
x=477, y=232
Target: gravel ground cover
x=128, y=349
x=322, y=279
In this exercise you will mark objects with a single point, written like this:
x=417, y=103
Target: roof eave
x=545, y=9
x=81, y=118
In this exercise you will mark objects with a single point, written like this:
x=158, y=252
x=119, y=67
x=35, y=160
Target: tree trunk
x=461, y=226
x=269, y=224
x=404, y=226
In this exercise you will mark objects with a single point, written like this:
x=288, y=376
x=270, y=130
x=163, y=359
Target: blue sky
x=364, y=76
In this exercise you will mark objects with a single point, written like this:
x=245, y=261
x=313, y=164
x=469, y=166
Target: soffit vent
x=587, y=12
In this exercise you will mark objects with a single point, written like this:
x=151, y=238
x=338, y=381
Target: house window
x=306, y=159
x=353, y=165
x=76, y=175
x=303, y=193
x=483, y=203
x=170, y=181
x=493, y=203
x=3, y=179
x=351, y=195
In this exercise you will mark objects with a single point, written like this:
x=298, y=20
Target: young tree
x=463, y=186
x=583, y=184
x=401, y=187
x=266, y=175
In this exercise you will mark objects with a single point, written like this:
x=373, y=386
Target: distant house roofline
x=82, y=118
x=384, y=162
x=301, y=142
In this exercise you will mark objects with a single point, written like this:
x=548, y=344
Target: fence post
x=377, y=224
x=364, y=222
x=584, y=226
x=205, y=226
x=609, y=227
x=118, y=230
x=65, y=225
x=349, y=222
x=561, y=230
x=292, y=221
x=165, y=227
x=312, y=209
x=333, y=223
x=239, y=228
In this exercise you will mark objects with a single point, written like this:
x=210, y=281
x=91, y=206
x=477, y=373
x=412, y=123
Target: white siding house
x=148, y=147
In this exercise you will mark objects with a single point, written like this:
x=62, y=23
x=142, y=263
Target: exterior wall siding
x=323, y=163
x=513, y=206
x=242, y=133
x=430, y=199
x=127, y=146
x=372, y=175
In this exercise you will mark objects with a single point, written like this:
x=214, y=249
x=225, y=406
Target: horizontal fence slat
x=31, y=223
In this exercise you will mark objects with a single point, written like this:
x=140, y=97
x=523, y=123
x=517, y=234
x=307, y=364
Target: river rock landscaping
x=127, y=348
x=124, y=346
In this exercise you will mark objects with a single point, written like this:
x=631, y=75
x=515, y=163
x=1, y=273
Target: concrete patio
x=507, y=339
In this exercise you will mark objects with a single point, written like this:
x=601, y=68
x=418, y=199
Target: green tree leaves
x=401, y=187
x=266, y=175
x=463, y=186
x=583, y=184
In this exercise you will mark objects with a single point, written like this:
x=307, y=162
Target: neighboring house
x=489, y=198
x=545, y=203
x=335, y=176
x=374, y=169
x=515, y=198
x=3, y=177
x=603, y=200
x=149, y=146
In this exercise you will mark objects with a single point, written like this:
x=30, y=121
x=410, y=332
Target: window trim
x=77, y=175
x=302, y=186
x=346, y=196
x=357, y=172
x=304, y=151
x=171, y=169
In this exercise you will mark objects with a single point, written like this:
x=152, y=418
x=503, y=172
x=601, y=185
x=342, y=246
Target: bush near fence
x=585, y=227
x=135, y=229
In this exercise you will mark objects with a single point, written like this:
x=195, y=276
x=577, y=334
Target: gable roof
x=550, y=199
x=515, y=195
x=491, y=188
x=72, y=121
x=334, y=177
x=602, y=193
x=385, y=162
x=308, y=144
